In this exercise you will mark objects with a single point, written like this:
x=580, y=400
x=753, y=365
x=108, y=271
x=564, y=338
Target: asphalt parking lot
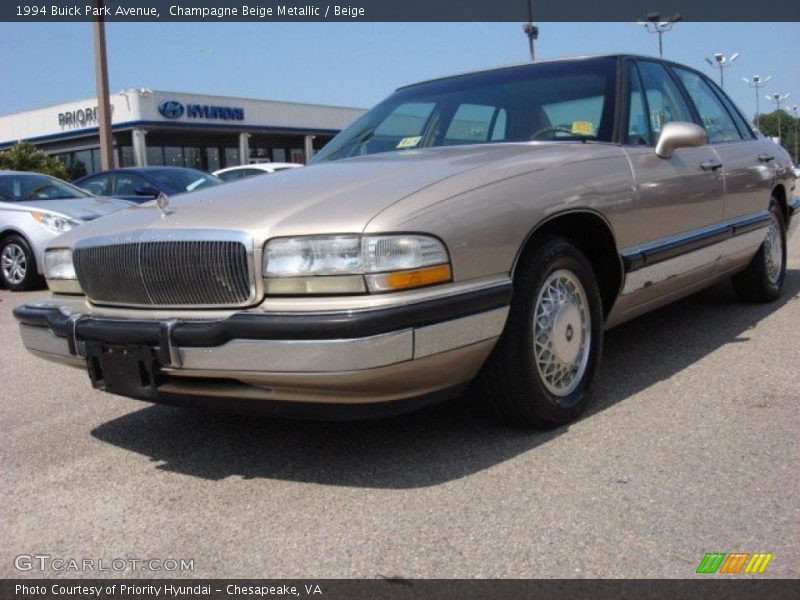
x=691, y=446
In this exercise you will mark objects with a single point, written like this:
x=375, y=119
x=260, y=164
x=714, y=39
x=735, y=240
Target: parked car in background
x=243, y=171
x=142, y=184
x=34, y=209
x=481, y=229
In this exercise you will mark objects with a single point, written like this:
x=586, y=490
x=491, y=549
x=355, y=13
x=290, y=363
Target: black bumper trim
x=255, y=326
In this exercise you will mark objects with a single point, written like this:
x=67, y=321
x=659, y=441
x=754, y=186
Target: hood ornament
x=162, y=200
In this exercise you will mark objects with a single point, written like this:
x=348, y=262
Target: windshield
x=567, y=100
x=18, y=187
x=185, y=180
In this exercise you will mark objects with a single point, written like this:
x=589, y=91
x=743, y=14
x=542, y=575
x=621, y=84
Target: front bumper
x=353, y=357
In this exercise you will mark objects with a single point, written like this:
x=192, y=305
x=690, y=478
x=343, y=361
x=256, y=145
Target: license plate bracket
x=131, y=371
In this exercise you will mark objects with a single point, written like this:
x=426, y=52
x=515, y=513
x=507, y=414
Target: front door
x=679, y=200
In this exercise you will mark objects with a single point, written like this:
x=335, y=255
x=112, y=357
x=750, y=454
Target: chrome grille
x=161, y=273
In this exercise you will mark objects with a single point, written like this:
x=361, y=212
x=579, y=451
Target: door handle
x=765, y=157
x=711, y=165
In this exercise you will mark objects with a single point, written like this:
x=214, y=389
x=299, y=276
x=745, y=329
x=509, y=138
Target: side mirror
x=147, y=191
x=679, y=134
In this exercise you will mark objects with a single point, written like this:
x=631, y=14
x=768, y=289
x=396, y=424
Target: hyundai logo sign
x=171, y=109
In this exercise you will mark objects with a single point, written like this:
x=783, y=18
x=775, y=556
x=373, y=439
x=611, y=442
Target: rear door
x=679, y=200
x=748, y=168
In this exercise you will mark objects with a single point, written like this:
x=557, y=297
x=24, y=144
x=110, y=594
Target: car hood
x=84, y=209
x=339, y=196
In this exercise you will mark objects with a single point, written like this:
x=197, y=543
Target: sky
x=354, y=64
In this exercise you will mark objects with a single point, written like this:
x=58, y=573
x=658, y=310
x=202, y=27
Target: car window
x=564, y=101
x=243, y=173
x=718, y=123
x=472, y=123
x=574, y=117
x=185, y=180
x=401, y=129
x=664, y=99
x=99, y=185
x=240, y=174
x=638, y=125
x=18, y=187
x=733, y=111
x=126, y=184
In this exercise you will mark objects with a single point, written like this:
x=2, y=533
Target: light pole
x=757, y=82
x=654, y=24
x=777, y=99
x=531, y=30
x=795, y=111
x=722, y=62
x=103, y=104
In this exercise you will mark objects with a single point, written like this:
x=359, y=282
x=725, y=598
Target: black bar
x=287, y=326
x=413, y=11
x=702, y=587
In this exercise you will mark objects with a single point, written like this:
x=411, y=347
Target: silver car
x=478, y=230
x=35, y=209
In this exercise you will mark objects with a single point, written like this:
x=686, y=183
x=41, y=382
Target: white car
x=242, y=171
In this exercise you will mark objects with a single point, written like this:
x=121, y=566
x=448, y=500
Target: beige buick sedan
x=482, y=229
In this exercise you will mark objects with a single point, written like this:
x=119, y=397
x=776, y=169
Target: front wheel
x=540, y=372
x=17, y=264
x=762, y=280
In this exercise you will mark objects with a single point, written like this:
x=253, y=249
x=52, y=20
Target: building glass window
x=212, y=159
x=231, y=157
x=173, y=156
x=155, y=155
x=96, y=162
x=82, y=164
x=126, y=156
x=191, y=158
x=298, y=156
x=279, y=155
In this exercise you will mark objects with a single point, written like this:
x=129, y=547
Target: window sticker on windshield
x=582, y=128
x=409, y=142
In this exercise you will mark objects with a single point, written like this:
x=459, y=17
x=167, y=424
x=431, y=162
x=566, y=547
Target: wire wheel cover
x=773, y=250
x=562, y=332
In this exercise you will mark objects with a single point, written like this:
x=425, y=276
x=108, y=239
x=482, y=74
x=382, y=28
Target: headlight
x=54, y=222
x=60, y=271
x=353, y=264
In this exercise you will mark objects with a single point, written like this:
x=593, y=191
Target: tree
x=768, y=124
x=25, y=157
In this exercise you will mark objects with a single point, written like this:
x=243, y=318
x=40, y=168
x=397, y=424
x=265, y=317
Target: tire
x=762, y=280
x=17, y=264
x=512, y=384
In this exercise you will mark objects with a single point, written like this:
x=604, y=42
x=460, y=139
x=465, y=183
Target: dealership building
x=167, y=128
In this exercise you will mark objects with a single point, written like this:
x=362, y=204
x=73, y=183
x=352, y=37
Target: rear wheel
x=762, y=280
x=540, y=372
x=17, y=264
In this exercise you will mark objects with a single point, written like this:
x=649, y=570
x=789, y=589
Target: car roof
x=522, y=65
x=155, y=169
x=143, y=170
x=9, y=172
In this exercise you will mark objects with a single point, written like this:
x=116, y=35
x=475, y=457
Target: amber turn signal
x=401, y=280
